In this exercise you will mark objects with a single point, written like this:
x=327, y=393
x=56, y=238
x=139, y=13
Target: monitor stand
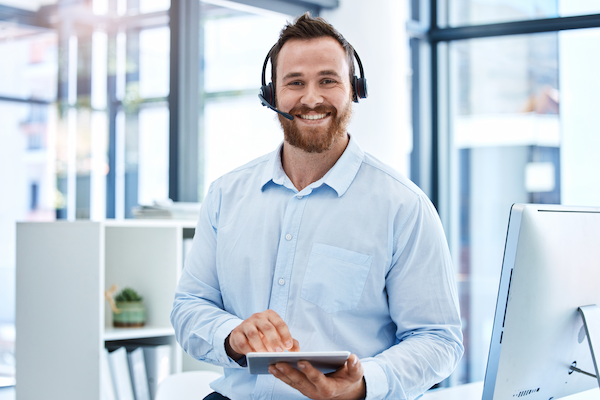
x=591, y=320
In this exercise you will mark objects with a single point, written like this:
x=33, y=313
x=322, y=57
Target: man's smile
x=314, y=116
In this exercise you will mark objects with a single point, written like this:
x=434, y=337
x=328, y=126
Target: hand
x=346, y=383
x=264, y=331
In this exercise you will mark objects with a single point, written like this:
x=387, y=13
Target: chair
x=190, y=385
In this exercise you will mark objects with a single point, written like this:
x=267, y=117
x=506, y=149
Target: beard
x=316, y=139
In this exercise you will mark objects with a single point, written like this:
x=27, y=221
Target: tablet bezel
x=324, y=361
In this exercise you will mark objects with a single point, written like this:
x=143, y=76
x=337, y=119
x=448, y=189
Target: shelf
x=61, y=261
x=136, y=333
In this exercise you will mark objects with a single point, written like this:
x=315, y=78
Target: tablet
x=324, y=361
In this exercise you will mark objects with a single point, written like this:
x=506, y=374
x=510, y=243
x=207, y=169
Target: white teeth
x=318, y=116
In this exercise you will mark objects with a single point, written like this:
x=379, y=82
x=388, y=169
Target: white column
x=580, y=119
x=376, y=29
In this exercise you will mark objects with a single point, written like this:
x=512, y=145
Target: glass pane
x=141, y=6
x=29, y=67
x=231, y=54
x=141, y=77
x=82, y=161
x=414, y=10
x=82, y=128
x=154, y=49
x=477, y=12
x=514, y=139
x=153, y=184
x=254, y=132
x=232, y=62
x=147, y=6
x=578, y=7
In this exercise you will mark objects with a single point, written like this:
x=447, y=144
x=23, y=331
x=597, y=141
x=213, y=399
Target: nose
x=312, y=96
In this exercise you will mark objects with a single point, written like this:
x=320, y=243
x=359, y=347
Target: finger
x=293, y=377
x=273, y=370
x=270, y=335
x=254, y=339
x=296, y=346
x=239, y=342
x=283, y=333
x=315, y=376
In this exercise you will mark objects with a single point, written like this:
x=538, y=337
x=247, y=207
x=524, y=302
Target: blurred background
x=108, y=105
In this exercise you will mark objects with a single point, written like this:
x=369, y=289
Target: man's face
x=313, y=85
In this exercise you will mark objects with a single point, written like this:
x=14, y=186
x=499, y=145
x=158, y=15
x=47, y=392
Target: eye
x=328, y=81
x=295, y=83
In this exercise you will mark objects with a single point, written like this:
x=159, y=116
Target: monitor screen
x=551, y=268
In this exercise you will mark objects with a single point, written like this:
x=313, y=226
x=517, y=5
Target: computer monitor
x=540, y=348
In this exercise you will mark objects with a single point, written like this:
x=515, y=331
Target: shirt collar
x=339, y=177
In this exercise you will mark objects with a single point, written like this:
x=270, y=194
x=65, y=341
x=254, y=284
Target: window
x=72, y=105
x=85, y=105
x=514, y=123
x=506, y=145
x=27, y=155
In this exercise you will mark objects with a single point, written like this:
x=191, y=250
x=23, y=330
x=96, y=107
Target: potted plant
x=128, y=308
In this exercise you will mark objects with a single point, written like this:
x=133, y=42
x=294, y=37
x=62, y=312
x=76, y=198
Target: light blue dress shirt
x=356, y=261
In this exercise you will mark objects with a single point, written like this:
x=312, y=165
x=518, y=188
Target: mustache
x=320, y=109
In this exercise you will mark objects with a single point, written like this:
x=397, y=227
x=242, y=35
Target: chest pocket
x=335, y=277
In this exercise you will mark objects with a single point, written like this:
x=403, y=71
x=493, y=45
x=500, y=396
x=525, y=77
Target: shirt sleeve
x=424, y=306
x=201, y=324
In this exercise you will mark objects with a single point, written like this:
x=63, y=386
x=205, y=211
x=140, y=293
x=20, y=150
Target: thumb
x=355, y=369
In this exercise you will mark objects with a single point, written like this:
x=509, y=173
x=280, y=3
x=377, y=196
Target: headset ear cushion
x=361, y=84
x=355, y=89
x=268, y=93
x=271, y=94
x=359, y=89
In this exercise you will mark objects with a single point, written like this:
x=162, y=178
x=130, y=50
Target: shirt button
x=281, y=281
x=299, y=197
x=288, y=237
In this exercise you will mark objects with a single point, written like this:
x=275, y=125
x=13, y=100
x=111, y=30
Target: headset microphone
x=265, y=103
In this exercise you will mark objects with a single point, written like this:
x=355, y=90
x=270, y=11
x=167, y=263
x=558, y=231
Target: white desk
x=473, y=391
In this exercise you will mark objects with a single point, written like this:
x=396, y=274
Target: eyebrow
x=326, y=72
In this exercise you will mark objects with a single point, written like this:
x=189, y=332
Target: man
x=319, y=246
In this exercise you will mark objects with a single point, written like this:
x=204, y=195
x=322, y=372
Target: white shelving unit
x=63, y=321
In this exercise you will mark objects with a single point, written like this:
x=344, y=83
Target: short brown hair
x=308, y=27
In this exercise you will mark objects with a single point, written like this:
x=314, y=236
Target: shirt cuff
x=219, y=340
x=376, y=380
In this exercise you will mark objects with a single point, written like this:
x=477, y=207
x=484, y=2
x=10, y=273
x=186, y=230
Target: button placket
x=282, y=275
x=286, y=255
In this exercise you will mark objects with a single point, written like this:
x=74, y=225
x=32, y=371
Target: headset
x=267, y=92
